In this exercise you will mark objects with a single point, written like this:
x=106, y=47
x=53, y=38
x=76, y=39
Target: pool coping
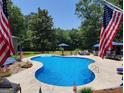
x=96, y=84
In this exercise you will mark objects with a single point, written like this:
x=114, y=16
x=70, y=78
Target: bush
x=86, y=90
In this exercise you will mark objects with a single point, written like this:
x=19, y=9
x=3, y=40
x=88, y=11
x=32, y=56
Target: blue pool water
x=64, y=71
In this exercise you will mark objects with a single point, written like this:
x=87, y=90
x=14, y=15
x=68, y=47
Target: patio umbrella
x=113, y=43
x=63, y=45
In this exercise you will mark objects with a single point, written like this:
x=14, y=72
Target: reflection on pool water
x=64, y=71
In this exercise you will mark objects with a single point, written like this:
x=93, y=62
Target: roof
x=113, y=43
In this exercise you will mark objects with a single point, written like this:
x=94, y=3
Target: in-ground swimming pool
x=64, y=71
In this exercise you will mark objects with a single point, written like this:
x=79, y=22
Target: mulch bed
x=112, y=90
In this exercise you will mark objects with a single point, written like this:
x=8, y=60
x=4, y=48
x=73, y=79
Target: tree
x=75, y=39
x=17, y=21
x=89, y=11
x=62, y=36
x=41, y=25
x=27, y=43
x=71, y=37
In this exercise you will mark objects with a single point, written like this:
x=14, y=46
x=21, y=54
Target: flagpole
x=113, y=5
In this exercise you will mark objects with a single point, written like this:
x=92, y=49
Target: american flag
x=6, y=45
x=112, y=20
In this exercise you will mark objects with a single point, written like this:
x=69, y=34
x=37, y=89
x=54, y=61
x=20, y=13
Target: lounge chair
x=8, y=87
x=85, y=52
x=119, y=70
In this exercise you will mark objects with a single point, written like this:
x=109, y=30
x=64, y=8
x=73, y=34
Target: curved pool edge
x=99, y=82
x=104, y=79
x=41, y=67
x=89, y=67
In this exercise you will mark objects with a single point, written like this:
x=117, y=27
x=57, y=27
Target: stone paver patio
x=105, y=77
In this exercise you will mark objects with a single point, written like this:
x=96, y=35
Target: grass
x=60, y=52
x=31, y=53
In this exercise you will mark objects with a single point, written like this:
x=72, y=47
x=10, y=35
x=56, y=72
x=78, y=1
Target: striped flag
x=112, y=20
x=6, y=45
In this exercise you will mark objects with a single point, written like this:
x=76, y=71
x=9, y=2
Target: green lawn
x=30, y=53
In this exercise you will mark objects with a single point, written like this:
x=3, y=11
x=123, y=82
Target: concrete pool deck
x=105, y=77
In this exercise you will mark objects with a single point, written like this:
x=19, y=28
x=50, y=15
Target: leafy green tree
x=16, y=19
x=62, y=36
x=41, y=25
x=71, y=37
x=89, y=11
x=27, y=43
x=75, y=39
x=17, y=22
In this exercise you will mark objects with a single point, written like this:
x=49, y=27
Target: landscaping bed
x=14, y=68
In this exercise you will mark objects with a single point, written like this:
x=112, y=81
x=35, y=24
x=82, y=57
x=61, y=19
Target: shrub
x=86, y=90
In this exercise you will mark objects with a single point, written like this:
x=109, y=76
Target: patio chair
x=8, y=87
x=119, y=70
